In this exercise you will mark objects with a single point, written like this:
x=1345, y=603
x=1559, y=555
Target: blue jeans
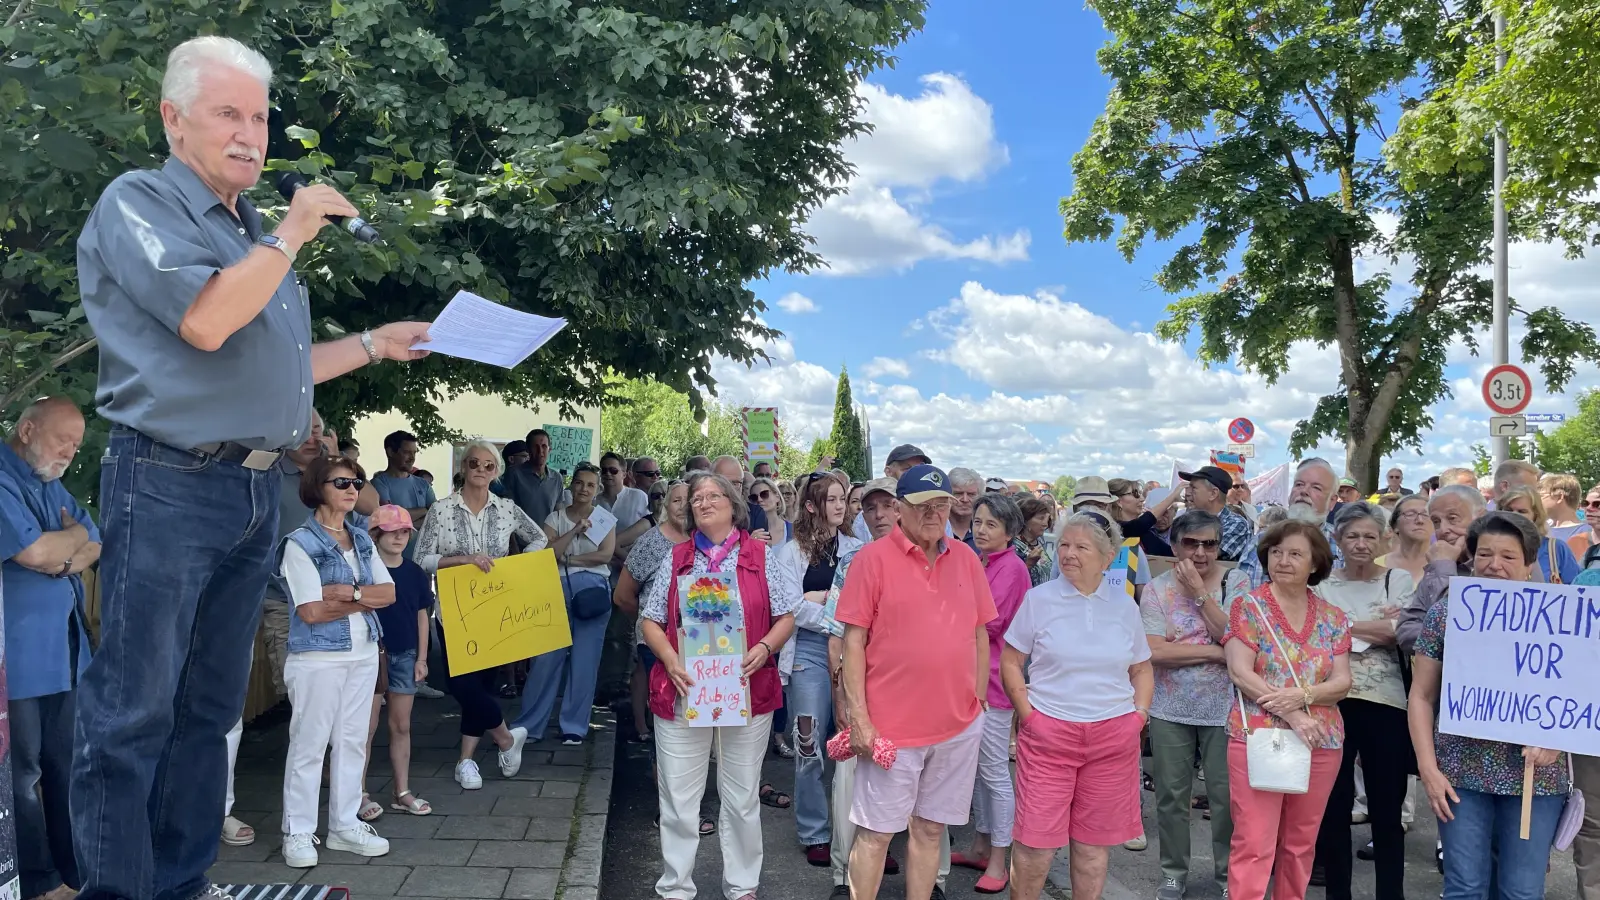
x=41, y=763
x=579, y=666
x=811, y=709
x=186, y=546
x=1485, y=822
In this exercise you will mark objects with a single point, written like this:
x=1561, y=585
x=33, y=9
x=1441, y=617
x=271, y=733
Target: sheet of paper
x=471, y=327
x=719, y=695
x=601, y=521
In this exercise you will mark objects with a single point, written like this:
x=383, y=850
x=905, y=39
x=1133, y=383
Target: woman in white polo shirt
x=1081, y=710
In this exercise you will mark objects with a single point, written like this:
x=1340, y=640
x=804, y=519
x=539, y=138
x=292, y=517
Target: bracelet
x=768, y=648
x=1308, y=699
x=367, y=345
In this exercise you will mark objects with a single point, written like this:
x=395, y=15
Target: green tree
x=648, y=418
x=1483, y=463
x=1544, y=100
x=1063, y=488
x=1252, y=136
x=849, y=441
x=631, y=167
x=1573, y=446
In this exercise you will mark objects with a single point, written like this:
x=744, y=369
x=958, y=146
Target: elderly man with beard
x=48, y=540
x=1309, y=500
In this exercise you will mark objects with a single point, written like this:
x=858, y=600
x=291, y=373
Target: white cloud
x=946, y=134
x=797, y=303
x=883, y=367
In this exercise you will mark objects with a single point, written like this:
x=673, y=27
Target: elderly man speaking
x=916, y=671
x=206, y=374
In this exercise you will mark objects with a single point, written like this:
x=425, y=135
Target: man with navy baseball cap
x=916, y=670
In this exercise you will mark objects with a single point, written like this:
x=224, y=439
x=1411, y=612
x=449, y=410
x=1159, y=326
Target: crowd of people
x=928, y=646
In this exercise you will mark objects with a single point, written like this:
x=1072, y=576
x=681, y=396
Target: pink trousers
x=1272, y=830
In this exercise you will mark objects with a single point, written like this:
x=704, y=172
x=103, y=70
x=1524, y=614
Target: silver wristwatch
x=278, y=244
x=356, y=594
x=372, y=350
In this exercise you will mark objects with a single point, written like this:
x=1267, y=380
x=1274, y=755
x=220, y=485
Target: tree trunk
x=1362, y=461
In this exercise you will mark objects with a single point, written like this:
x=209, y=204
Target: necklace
x=325, y=525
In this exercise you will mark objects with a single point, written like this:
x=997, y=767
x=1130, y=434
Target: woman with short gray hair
x=1185, y=614
x=996, y=523
x=1374, y=710
x=1081, y=710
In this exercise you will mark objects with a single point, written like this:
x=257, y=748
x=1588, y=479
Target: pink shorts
x=1077, y=781
x=932, y=783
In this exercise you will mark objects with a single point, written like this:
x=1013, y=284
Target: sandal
x=415, y=806
x=708, y=825
x=370, y=809
x=771, y=796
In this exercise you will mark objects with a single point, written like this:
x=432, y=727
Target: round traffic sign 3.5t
x=1507, y=390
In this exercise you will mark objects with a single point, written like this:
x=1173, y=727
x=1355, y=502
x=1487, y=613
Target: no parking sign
x=1241, y=430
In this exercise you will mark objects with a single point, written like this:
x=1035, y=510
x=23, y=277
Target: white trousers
x=993, y=796
x=844, y=830
x=332, y=702
x=683, y=758
x=234, y=734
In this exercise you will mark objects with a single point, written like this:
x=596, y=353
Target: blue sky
x=972, y=329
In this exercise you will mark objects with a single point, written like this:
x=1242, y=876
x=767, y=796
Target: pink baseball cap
x=391, y=518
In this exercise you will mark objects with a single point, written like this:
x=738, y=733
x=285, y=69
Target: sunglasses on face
x=1591, y=504
x=1197, y=544
x=759, y=496
x=611, y=470
x=653, y=473
x=476, y=464
x=344, y=484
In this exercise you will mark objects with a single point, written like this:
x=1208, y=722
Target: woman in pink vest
x=715, y=617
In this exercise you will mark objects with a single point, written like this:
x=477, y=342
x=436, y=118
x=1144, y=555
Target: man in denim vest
x=206, y=373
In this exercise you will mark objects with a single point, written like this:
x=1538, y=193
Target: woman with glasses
x=789, y=492
x=1038, y=514
x=1374, y=711
x=472, y=527
x=1412, y=531
x=1556, y=560
x=721, y=553
x=767, y=494
x=1185, y=615
x=812, y=558
x=584, y=564
x=335, y=581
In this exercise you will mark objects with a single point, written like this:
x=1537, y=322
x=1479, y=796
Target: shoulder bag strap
x=1555, y=561
x=1272, y=632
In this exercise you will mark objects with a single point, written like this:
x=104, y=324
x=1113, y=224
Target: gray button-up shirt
x=151, y=244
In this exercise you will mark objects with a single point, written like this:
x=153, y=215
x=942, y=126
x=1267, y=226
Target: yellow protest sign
x=513, y=611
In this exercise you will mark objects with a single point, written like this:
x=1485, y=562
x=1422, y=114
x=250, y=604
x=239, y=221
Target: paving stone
x=542, y=807
x=534, y=884
x=404, y=825
x=578, y=893
x=489, y=828
x=515, y=787
x=254, y=873
x=425, y=852
x=573, y=774
x=362, y=880
x=455, y=882
x=523, y=854
x=471, y=803
x=549, y=829
x=559, y=789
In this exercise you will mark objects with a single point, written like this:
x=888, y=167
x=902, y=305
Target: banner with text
x=1522, y=664
x=514, y=611
x=758, y=426
x=569, y=445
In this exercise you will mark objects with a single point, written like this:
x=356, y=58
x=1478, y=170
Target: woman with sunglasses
x=585, y=565
x=473, y=527
x=1185, y=614
x=335, y=581
x=766, y=494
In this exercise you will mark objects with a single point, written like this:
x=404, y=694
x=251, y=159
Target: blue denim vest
x=331, y=564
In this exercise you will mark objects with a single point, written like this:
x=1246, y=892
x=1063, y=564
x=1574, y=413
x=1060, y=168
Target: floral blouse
x=783, y=589
x=1476, y=764
x=451, y=529
x=1198, y=694
x=1310, y=651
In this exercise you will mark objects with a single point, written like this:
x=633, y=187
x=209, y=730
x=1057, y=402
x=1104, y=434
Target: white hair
x=187, y=61
x=965, y=477
x=1317, y=462
x=1472, y=497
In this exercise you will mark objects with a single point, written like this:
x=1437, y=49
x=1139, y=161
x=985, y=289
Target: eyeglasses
x=760, y=496
x=1197, y=544
x=1412, y=515
x=475, y=464
x=1591, y=504
x=708, y=499
x=344, y=484
x=642, y=473
x=611, y=470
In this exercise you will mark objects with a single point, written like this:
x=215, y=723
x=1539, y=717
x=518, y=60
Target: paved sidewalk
x=537, y=836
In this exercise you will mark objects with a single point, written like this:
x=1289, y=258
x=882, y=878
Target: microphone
x=358, y=227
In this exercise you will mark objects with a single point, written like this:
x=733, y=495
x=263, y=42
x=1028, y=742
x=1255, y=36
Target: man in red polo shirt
x=914, y=607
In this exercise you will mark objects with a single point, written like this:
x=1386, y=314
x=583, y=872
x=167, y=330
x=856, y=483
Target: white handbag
x=1276, y=759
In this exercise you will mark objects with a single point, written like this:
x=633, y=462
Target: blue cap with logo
x=919, y=484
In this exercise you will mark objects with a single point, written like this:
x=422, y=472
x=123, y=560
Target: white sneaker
x=300, y=850
x=467, y=775
x=361, y=840
x=511, y=760
x=425, y=690
x=1138, y=843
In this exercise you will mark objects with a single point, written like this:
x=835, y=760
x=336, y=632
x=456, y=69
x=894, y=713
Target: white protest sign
x=1522, y=664
x=1117, y=579
x=719, y=695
